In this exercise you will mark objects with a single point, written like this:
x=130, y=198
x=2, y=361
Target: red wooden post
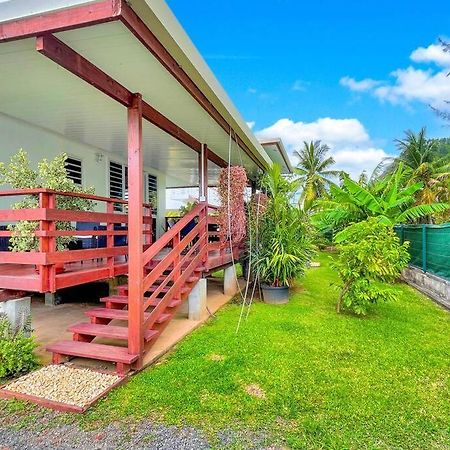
x=135, y=229
x=147, y=226
x=47, y=244
x=110, y=238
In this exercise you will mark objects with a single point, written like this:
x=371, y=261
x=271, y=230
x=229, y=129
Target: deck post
x=135, y=230
x=203, y=173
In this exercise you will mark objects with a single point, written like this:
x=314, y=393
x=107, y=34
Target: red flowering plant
x=232, y=219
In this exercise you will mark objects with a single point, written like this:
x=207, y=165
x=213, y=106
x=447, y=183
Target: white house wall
x=41, y=143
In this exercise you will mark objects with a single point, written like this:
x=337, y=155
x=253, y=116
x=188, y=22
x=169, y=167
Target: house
x=120, y=88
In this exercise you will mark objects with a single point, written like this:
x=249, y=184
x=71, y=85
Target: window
x=152, y=192
x=118, y=182
x=74, y=170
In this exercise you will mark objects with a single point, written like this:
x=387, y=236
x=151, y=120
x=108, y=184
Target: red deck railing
x=37, y=271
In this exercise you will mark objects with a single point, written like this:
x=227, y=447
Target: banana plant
x=387, y=200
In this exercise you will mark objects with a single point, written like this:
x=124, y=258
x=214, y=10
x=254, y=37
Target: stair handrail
x=165, y=239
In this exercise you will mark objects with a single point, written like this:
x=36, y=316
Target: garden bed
x=61, y=387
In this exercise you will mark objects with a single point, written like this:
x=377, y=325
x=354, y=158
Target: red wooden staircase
x=165, y=284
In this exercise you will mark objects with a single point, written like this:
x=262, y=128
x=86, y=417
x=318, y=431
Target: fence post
x=424, y=247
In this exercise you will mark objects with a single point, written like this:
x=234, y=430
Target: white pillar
x=197, y=300
x=17, y=311
x=230, y=284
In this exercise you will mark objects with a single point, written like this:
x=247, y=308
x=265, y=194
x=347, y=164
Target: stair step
x=105, y=313
x=123, y=291
x=93, y=351
x=123, y=300
x=163, y=318
x=107, y=331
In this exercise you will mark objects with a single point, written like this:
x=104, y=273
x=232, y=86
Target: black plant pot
x=275, y=295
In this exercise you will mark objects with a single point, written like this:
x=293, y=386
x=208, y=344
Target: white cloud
x=415, y=85
x=408, y=85
x=251, y=124
x=349, y=141
x=359, y=86
x=431, y=54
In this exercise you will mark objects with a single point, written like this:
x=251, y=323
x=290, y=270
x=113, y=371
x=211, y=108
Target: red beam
x=63, y=55
x=132, y=21
x=61, y=20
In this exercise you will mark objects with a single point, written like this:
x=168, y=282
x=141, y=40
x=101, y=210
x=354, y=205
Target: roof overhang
x=277, y=153
x=73, y=108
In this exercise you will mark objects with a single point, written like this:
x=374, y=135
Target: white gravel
x=69, y=385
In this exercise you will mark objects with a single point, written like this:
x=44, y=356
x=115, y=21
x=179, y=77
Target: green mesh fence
x=429, y=247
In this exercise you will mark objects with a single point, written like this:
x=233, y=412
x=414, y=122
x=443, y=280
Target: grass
x=317, y=379
x=305, y=376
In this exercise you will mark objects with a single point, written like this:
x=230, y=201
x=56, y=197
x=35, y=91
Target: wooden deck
x=26, y=277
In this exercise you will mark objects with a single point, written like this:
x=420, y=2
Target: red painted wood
x=13, y=215
x=93, y=351
x=61, y=20
x=123, y=299
x=163, y=318
x=105, y=313
x=58, y=406
x=107, y=331
x=22, y=258
x=170, y=258
x=135, y=228
x=15, y=192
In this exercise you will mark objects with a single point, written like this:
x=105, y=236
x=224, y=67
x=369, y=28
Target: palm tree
x=314, y=172
x=420, y=155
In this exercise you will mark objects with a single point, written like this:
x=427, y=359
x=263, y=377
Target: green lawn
x=316, y=379
x=301, y=375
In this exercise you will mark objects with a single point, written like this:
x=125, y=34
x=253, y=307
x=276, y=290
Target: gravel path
x=44, y=433
x=68, y=437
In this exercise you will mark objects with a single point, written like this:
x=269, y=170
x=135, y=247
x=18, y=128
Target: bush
x=16, y=349
x=370, y=256
x=19, y=174
x=281, y=243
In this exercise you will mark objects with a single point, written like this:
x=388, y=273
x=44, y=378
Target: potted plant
x=19, y=174
x=281, y=245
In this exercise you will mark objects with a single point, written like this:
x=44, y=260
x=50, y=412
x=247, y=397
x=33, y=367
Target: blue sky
x=356, y=74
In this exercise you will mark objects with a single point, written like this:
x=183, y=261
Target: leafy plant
x=16, y=348
x=282, y=244
x=187, y=208
x=370, y=256
x=387, y=200
x=50, y=175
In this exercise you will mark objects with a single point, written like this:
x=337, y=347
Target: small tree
x=49, y=175
x=370, y=257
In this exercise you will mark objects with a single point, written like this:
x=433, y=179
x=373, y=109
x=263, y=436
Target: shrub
x=52, y=174
x=16, y=348
x=281, y=244
x=370, y=256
